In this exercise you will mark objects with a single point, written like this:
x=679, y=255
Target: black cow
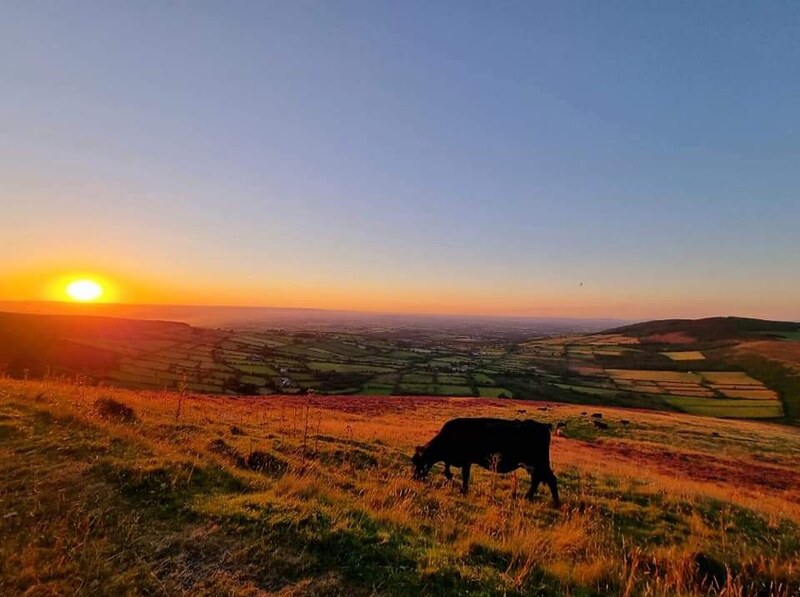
x=499, y=445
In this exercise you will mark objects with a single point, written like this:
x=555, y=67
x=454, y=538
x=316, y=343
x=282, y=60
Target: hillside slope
x=710, y=329
x=33, y=345
x=187, y=494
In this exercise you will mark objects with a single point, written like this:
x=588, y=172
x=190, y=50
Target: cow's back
x=479, y=439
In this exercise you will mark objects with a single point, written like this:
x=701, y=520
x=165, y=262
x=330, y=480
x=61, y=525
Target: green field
x=725, y=408
x=486, y=392
x=482, y=379
x=447, y=390
x=417, y=378
x=344, y=367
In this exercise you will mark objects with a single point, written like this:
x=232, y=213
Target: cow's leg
x=536, y=479
x=447, y=472
x=550, y=479
x=465, y=477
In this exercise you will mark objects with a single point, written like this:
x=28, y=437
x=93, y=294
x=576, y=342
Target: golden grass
x=730, y=377
x=748, y=392
x=685, y=355
x=644, y=375
x=641, y=501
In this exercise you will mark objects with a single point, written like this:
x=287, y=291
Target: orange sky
x=293, y=156
x=579, y=301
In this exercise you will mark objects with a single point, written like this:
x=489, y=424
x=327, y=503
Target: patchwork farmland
x=292, y=363
x=645, y=367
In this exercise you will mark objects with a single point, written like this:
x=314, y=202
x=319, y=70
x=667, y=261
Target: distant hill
x=264, y=318
x=38, y=344
x=64, y=326
x=710, y=329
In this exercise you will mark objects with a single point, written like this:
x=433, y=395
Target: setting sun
x=84, y=291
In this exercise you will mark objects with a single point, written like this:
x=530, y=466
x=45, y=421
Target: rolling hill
x=711, y=329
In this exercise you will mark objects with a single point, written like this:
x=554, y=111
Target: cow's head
x=421, y=464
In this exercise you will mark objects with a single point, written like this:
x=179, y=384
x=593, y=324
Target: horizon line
x=87, y=306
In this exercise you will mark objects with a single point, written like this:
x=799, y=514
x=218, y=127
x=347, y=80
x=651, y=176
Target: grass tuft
x=108, y=408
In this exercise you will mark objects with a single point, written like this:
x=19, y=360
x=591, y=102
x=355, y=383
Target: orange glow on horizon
x=127, y=286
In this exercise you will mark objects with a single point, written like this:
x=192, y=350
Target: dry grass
x=685, y=355
x=785, y=352
x=310, y=496
x=646, y=375
x=730, y=377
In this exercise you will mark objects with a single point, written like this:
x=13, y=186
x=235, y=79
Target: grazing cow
x=499, y=445
x=584, y=413
x=625, y=422
x=597, y=415
x=599, y=424
x=561, y=425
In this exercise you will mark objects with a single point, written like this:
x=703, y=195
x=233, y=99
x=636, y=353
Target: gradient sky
x=467, y=157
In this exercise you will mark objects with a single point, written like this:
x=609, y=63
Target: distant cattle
x=597, y=415
x=599, y=424
x=584, y=413
x=499, y=445
x=625, y=422
x=561, y=425
x=542, y=408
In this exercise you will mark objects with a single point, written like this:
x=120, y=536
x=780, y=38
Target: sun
x=84, y=291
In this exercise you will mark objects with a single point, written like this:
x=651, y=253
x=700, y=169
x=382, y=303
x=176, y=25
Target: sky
x=584, y=159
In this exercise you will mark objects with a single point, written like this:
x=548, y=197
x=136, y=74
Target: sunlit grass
x=314, y=496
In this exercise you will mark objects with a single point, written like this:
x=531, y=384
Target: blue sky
x=468, y=157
